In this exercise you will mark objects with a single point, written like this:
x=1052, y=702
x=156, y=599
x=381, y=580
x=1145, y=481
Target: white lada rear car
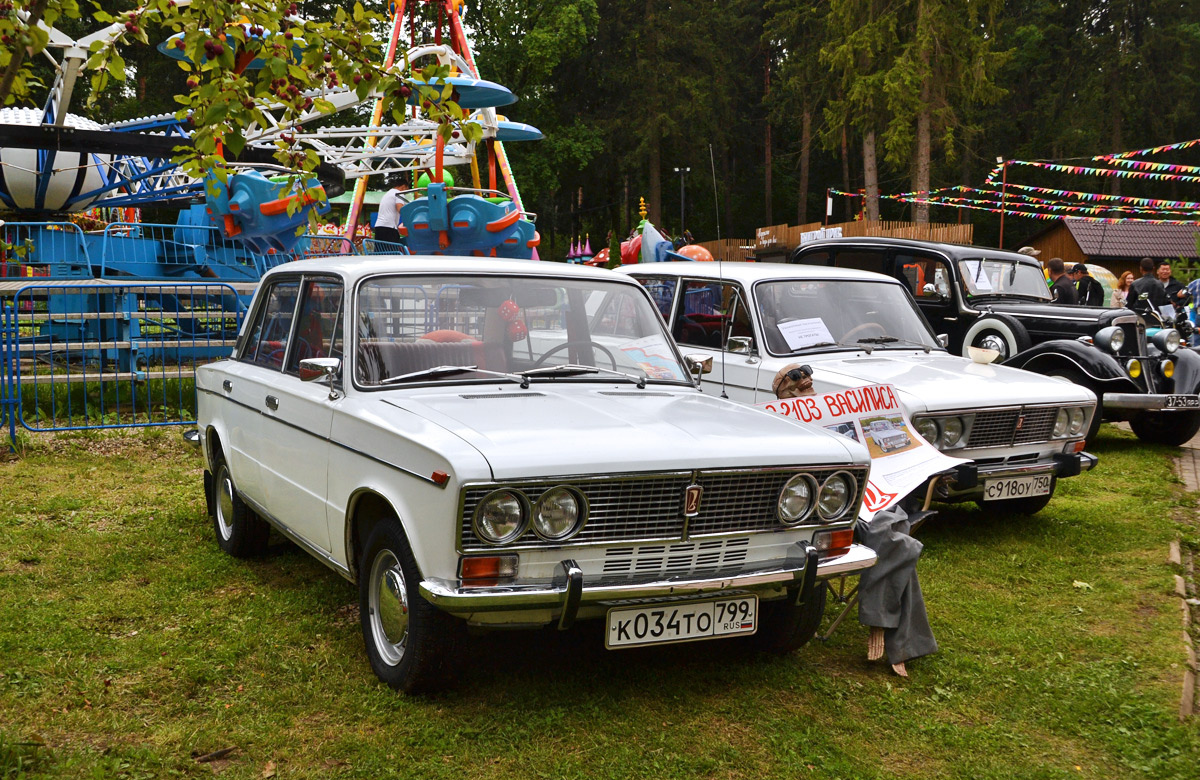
x=459, y=438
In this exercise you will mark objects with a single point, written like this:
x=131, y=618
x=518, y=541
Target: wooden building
x=1117, y=246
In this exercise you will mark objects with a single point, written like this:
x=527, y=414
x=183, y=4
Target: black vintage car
x=990, y=298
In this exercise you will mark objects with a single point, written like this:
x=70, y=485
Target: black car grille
x=650, y=508
x=1006, y=427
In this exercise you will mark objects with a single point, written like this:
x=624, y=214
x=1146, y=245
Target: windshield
x=990, y=276
x=798, y=316
x=421, y=328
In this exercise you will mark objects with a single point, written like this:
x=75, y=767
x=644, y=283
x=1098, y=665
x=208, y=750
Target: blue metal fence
x=95, y=355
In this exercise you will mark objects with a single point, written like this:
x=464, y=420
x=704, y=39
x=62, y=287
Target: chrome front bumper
x=1143, y=401
x=1063, y=465
x=568, y=590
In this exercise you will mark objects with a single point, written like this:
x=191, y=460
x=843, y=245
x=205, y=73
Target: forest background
x=770, y=103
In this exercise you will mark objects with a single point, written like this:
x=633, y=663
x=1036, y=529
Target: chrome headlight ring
x=836, y=496
x=559, y=513
x=797, y=499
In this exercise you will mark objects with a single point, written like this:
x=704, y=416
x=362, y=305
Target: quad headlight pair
x=830, y=499
x=1112, y=338
x=1069, y=421
x=945, y=433
x=503, y=516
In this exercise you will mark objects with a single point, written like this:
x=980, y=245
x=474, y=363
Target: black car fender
x=1103, y=372
x=1187, y=372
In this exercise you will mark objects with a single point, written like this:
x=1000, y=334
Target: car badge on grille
x=691, y=500
x=1020, y=422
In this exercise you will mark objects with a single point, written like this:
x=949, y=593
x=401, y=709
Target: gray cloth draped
x=888, y=592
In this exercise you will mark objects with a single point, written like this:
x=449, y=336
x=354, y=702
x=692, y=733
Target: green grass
x=129, y=644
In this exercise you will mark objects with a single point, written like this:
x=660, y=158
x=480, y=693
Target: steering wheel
x=568, y=344
x=860, y=328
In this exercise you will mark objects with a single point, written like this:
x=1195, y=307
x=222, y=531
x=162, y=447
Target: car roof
x=953, y=250
x=748, y=273
x=355, y=267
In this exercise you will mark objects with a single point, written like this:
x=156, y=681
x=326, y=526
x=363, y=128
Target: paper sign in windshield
x=805, y=333
x=901, y=460
x=979, y=278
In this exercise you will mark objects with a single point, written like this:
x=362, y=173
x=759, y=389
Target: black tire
x=409, y=641
x=1076, y=378
x=783, y=628
x=239, y=531
x=1001, y=332
x=1173, y=428
x=1020, y=506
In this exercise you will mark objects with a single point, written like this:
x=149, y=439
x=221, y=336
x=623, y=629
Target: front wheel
x=1173, y=428
x=1005, y=334
x=1020, y=506
x=784, y=627
x=407, y=638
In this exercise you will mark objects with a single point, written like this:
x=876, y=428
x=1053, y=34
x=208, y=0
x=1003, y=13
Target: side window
x=319, y=327
x=663, y=293
x=927, y=278
x=861, y=259
x=710, y=312
x=272, y=326
x=819, y=257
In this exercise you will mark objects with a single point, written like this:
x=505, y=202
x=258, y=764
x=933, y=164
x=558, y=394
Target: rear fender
x=1098, y=367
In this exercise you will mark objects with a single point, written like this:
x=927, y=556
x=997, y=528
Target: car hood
x=598, y=429
x=936, y=381
x=1054, y=311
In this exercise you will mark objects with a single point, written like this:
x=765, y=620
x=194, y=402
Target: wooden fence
x=730, y=249
x=776, y=237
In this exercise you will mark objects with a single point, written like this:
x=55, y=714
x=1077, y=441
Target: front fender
x=1187, y=372
x=1098, y=367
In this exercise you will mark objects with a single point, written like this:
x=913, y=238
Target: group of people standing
x=1157, y=287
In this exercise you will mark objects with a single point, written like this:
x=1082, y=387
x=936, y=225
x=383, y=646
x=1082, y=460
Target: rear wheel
x=408, y=640
x=1173, y=428
x=239, y=531
x=784, y=627
x=1020, y=506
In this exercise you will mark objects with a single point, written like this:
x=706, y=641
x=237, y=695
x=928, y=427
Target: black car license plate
x=1183, y=402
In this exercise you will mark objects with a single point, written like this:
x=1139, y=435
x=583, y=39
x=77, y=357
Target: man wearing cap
x=1090, y=292
x=1062, y=286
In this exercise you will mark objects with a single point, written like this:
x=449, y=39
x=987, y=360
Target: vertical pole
x=360, y=187
x=1003, y=197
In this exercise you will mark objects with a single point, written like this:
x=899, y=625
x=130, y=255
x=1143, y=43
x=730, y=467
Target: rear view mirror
x=740, y=345
x=943, y=340
x=698, y=365
x=312, y=369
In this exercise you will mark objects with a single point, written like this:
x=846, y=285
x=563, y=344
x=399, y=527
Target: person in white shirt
x=388, y=221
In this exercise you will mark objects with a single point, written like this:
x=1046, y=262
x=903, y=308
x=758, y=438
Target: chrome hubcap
x=992, y=341
x=224, y=504
x=389, y=607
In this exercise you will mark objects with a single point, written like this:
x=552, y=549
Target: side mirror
x=740, y=345
x=312, y=369
x=698, y=365
x=943, y=340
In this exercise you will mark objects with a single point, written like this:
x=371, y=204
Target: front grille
x=673, y=560
x=999, y=427
x=650, y=508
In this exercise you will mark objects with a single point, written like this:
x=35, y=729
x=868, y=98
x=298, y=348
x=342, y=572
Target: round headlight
x=1061, y=423
x=1117, y=340
x=500, y=517
x=952, y=431
x=796, y=499
x=928, y=429
x=1077, y=416
x=557, y=513
x=1134, y=368
x=1168, y=368
x=835, y=496
x=1166, y=340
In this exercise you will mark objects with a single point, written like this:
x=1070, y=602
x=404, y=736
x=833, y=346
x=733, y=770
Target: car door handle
x=227, y=386
x=272, y=403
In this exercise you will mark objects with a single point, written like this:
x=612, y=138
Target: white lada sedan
x=457, y=437
x=1022, y=431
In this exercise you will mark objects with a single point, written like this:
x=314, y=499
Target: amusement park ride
x=54, y=162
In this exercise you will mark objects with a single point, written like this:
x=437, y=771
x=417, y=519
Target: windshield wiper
x=574, y=369
x=819, y=344
x=893, y=340
x=437, y=371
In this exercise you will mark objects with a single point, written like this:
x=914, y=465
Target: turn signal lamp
x=833, y=542
x=1134, y=367
x=1168, y=368
x=484, y=570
